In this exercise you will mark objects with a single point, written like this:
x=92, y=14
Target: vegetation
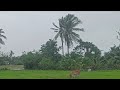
x=67, y=26
x=84, y=56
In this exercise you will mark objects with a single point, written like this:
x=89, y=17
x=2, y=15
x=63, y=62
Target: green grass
x=57, y=74
x=33, y=74
x=108, y=74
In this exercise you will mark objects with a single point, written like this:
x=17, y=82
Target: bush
x=70, y=64
x=31, y=64
x=46, y=63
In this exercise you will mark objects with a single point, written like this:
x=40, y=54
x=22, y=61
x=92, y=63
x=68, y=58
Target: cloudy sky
x=28, y=30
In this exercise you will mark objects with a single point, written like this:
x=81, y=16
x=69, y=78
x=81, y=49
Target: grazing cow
x=74, y=73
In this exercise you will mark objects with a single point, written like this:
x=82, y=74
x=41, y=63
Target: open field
x=12, y=67
x=57, y=74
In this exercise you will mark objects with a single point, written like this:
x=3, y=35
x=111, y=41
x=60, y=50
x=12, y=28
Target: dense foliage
x=48, y=57
x=84, y=56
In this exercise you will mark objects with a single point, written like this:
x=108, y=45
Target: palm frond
x=57, y=35
x=75, y=19
x=75, y=37
x=70, y=41
x=118, y=38
x=74, y=24
x=2, y=42
x=3, y=36
x=55, y=25
x=78, y=29
x=55, y=30
x=1, y=31
x=118, y=35
x=62, y=23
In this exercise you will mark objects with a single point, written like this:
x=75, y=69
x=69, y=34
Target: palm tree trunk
x=62, y=49
x=68, y=49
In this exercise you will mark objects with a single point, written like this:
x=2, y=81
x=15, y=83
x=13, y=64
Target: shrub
x=70, y=64
x=47, y=63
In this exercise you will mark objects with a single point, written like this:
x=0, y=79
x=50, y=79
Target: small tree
x=50, y=50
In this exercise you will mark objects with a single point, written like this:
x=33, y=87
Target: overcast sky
x=28, y=30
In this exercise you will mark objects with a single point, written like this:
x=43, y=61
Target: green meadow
x=57, y=74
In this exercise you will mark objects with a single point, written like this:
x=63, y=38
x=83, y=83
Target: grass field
x=56, y=74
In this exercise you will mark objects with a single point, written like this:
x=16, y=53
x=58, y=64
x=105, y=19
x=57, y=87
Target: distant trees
x=88, y=51
x=111, y=59
x=46, y=58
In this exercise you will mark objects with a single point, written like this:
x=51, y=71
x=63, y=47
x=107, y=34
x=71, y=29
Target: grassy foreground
x=57, y=74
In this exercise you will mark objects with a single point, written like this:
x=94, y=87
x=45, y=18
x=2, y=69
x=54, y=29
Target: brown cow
x=74, y=73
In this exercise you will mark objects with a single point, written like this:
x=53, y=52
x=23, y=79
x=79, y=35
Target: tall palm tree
x=59, y=29
x=2, y=36
x=67, y=26
x=69, y=23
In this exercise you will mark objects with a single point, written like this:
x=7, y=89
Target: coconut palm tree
x=69, y=23
x=2, y=36
x=66, y=30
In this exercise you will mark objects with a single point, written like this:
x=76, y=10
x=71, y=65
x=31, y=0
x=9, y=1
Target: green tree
x=31, y=60
x=50, y=50
x=112, y=58
x=11, y=56
x=89, y=51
